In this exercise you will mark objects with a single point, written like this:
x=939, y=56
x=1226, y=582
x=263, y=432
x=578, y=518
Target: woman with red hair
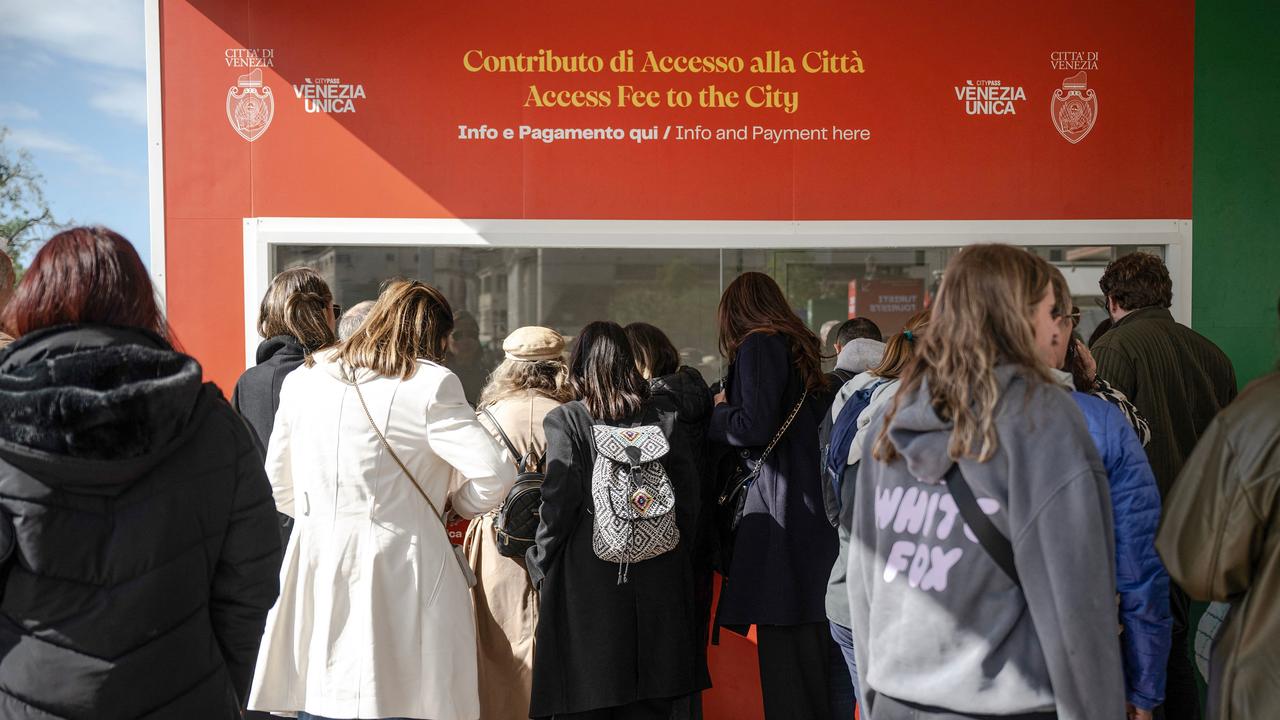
x=137, y=528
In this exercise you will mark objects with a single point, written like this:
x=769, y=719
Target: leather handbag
x=468, y=574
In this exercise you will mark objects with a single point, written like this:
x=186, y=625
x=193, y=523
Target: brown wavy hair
x=982, y=318
x=753, y=303
x=294, y=305
x=410, y=321
x=899, y=348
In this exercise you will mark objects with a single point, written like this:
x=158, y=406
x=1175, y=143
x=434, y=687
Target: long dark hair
x=85, y=275
x=602, y=370
x=1074, y=364
x=753, y=303
x=655, y=354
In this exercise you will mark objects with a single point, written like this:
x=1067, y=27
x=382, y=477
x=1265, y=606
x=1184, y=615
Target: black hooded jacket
x=257, y=393
x=689, y=393
x=138, y=532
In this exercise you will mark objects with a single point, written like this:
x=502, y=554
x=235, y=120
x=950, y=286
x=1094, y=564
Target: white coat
x=374, y=618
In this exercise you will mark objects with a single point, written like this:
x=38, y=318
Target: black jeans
x=794, y=663
x=1181, y=693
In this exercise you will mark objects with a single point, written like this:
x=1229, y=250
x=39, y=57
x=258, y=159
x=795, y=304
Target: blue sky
x=73, y=74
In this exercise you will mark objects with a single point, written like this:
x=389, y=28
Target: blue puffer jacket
x=1141, y=579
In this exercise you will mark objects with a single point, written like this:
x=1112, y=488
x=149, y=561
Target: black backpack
x=517, y=521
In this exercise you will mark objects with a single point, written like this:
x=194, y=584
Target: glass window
x=495, y=290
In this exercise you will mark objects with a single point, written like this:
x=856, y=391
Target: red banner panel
x=812, y=110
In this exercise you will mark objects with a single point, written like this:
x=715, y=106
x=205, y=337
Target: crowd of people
x=975, y=516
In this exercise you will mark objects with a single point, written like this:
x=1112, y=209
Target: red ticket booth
x=559, y=163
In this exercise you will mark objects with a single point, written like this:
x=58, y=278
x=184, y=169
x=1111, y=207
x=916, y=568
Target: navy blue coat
x=785, y=546
x=1141, y=579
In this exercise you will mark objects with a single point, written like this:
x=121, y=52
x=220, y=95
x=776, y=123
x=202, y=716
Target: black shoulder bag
x=517, y=521
x=990, y=538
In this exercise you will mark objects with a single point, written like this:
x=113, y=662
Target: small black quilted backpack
x=517, y=521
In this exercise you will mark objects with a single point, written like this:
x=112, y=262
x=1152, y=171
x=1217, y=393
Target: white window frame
x=261, y=233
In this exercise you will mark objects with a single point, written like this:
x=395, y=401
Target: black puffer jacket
x=689, y=393
x=144, y=549
x=686, y=389
x=257, y=393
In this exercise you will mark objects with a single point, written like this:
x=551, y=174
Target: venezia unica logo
x=250, y=105
x=990, y=97
x=329, y=95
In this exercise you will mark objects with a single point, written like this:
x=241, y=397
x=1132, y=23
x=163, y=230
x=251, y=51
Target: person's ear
x=838, y=347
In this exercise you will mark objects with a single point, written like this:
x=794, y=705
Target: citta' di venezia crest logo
x=250, y=105
x=1074, y=108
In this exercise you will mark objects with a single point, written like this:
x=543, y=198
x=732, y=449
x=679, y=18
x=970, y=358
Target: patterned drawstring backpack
x=633, y=498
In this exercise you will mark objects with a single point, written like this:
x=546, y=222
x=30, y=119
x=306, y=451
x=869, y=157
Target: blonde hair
x=548, y=378
x=900, y=347
x=981, y=318
x=410, y=320
x=294, y=305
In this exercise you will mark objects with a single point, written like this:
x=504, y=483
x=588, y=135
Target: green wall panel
x=1236, y=201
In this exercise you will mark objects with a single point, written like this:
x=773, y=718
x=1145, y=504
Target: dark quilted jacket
x=144, y=552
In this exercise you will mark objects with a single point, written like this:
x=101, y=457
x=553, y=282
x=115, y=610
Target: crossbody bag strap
x=990, y=538
x=781, y=431
x=369, y=416
x=751, y=476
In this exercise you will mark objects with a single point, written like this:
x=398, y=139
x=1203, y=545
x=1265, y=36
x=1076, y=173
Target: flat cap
x=533, y=343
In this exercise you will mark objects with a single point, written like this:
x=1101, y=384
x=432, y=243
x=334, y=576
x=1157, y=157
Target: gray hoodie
x=937, y=622
x=860, y=355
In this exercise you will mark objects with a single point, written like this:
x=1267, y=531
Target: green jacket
x=1177, y=378
x=1221, y=541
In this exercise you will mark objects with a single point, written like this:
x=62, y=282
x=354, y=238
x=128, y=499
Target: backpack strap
x=523, y=460
x=989, y=537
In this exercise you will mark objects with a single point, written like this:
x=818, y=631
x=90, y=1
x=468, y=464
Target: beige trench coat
x=505, y=601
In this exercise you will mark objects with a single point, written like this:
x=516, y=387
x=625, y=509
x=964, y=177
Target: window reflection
x=495, y=290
